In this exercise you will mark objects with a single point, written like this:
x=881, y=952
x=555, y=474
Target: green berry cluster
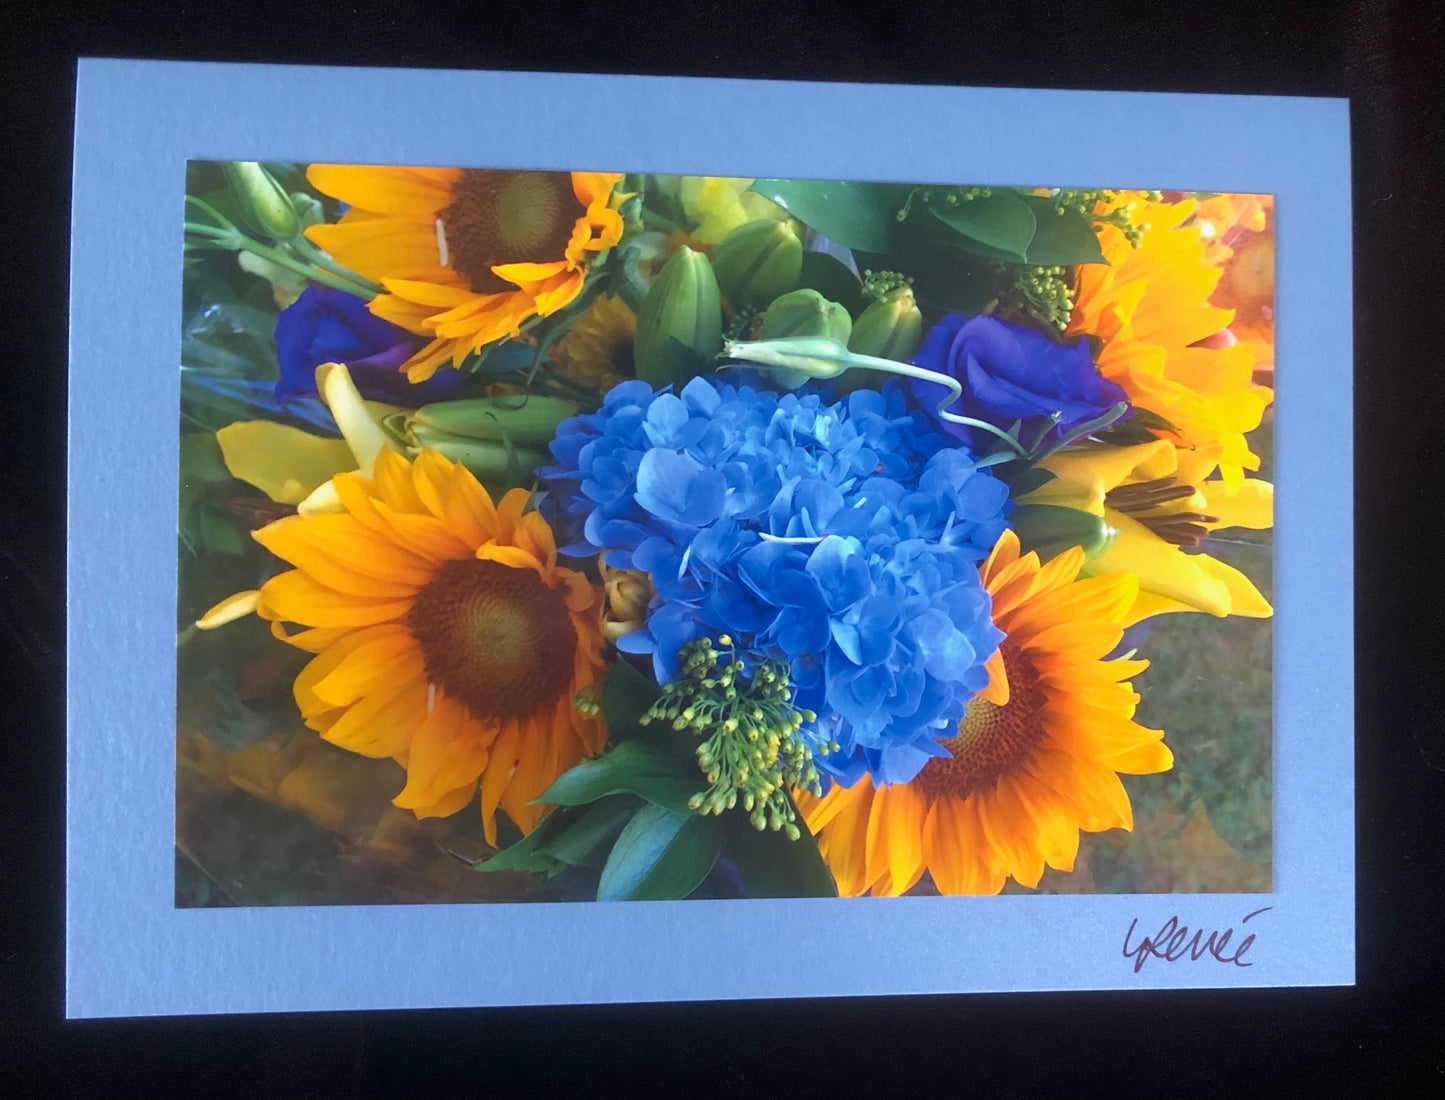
x=1124, y=217
x=1045, y=294
x=950, y=196
x=589, y=700
x=752, y=753
x=877, y=285
x=743, y=322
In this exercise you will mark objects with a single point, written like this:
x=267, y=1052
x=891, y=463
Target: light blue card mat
x=130, y=951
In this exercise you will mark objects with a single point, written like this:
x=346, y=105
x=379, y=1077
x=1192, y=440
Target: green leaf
x=627, y=695
x=1129, y=434
x=1062, y=240
x=660, y=855
x=529, y=853
x=855, y=215
x=1000, y=223
x=772, y=866
x=1026, y=480
x=1147, y=419
x=831, y=278
x=201, y=465
x=588, y=838
x=629, y=767
x=213, y=530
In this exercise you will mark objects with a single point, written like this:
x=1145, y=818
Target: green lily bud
x=758, y=261
x=794, y=359
x=1050, y=529
x=805, y=312
x=532, y=419
x=496, y=464
x=891, y=328
x=263, y=200
x=682, y=308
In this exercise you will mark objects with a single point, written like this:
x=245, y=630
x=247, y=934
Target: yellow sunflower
x=446, y=636
x=466, y=255
x=1150, y=308
x=597, y=349
x=1035, y=758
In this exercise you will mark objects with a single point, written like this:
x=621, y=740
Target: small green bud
x=806, y=313
x=527, y=419
x=262, y=200
x=1050, y=530
x=890, y=328
x=492, y=462
x=758, y=261
x=683, y=305
x=794, y=359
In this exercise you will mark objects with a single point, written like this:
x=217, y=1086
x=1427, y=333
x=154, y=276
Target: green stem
x=892, y=366
x=222, y=222
x=551, y=374
x=224, y=234
x=321, y=259
x=653, y=220
x=633, y=291
x=1086, y=428
x=200, y=229
x=1053, y=423
x=246, y=244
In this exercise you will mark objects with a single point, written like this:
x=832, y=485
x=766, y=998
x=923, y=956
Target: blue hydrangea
x=840, y=536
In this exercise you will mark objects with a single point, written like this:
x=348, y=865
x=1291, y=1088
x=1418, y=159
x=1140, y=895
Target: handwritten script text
x=1173, y=942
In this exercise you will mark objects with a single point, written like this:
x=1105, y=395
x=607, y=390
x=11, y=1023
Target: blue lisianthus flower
x=1011, y=372
x=325, y=325
x=840, y=537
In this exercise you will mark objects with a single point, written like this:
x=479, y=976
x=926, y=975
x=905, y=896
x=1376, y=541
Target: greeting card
x=624, y=539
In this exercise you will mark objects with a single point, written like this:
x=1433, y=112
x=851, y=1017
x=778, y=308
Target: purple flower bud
x=330, y=326
x=1011, y=372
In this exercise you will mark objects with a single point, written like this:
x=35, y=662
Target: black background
x=1386, y=55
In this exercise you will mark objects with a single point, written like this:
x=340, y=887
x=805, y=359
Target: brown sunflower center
x=1142, y=501
x=992, y=740
x=495, y=638
x=499, y=217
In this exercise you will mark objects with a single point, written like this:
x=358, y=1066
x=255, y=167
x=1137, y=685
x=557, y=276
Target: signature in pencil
x=1174, y=942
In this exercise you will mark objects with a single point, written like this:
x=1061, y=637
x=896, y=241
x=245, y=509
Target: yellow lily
x=719, y=204
x=292, y=466
x=1161, y=499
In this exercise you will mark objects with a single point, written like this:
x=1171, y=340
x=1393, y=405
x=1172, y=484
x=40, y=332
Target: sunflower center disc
x=506, y=218
x=992, y=740
x=496, y=639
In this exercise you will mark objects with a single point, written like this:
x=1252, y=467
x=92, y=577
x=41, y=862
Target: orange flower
x=1150, y=306
x=1244, y=231
x=1035, y=758
x=466, y=255
x=446, y=636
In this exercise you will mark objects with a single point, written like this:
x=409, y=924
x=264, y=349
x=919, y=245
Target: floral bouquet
x=591, y=535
